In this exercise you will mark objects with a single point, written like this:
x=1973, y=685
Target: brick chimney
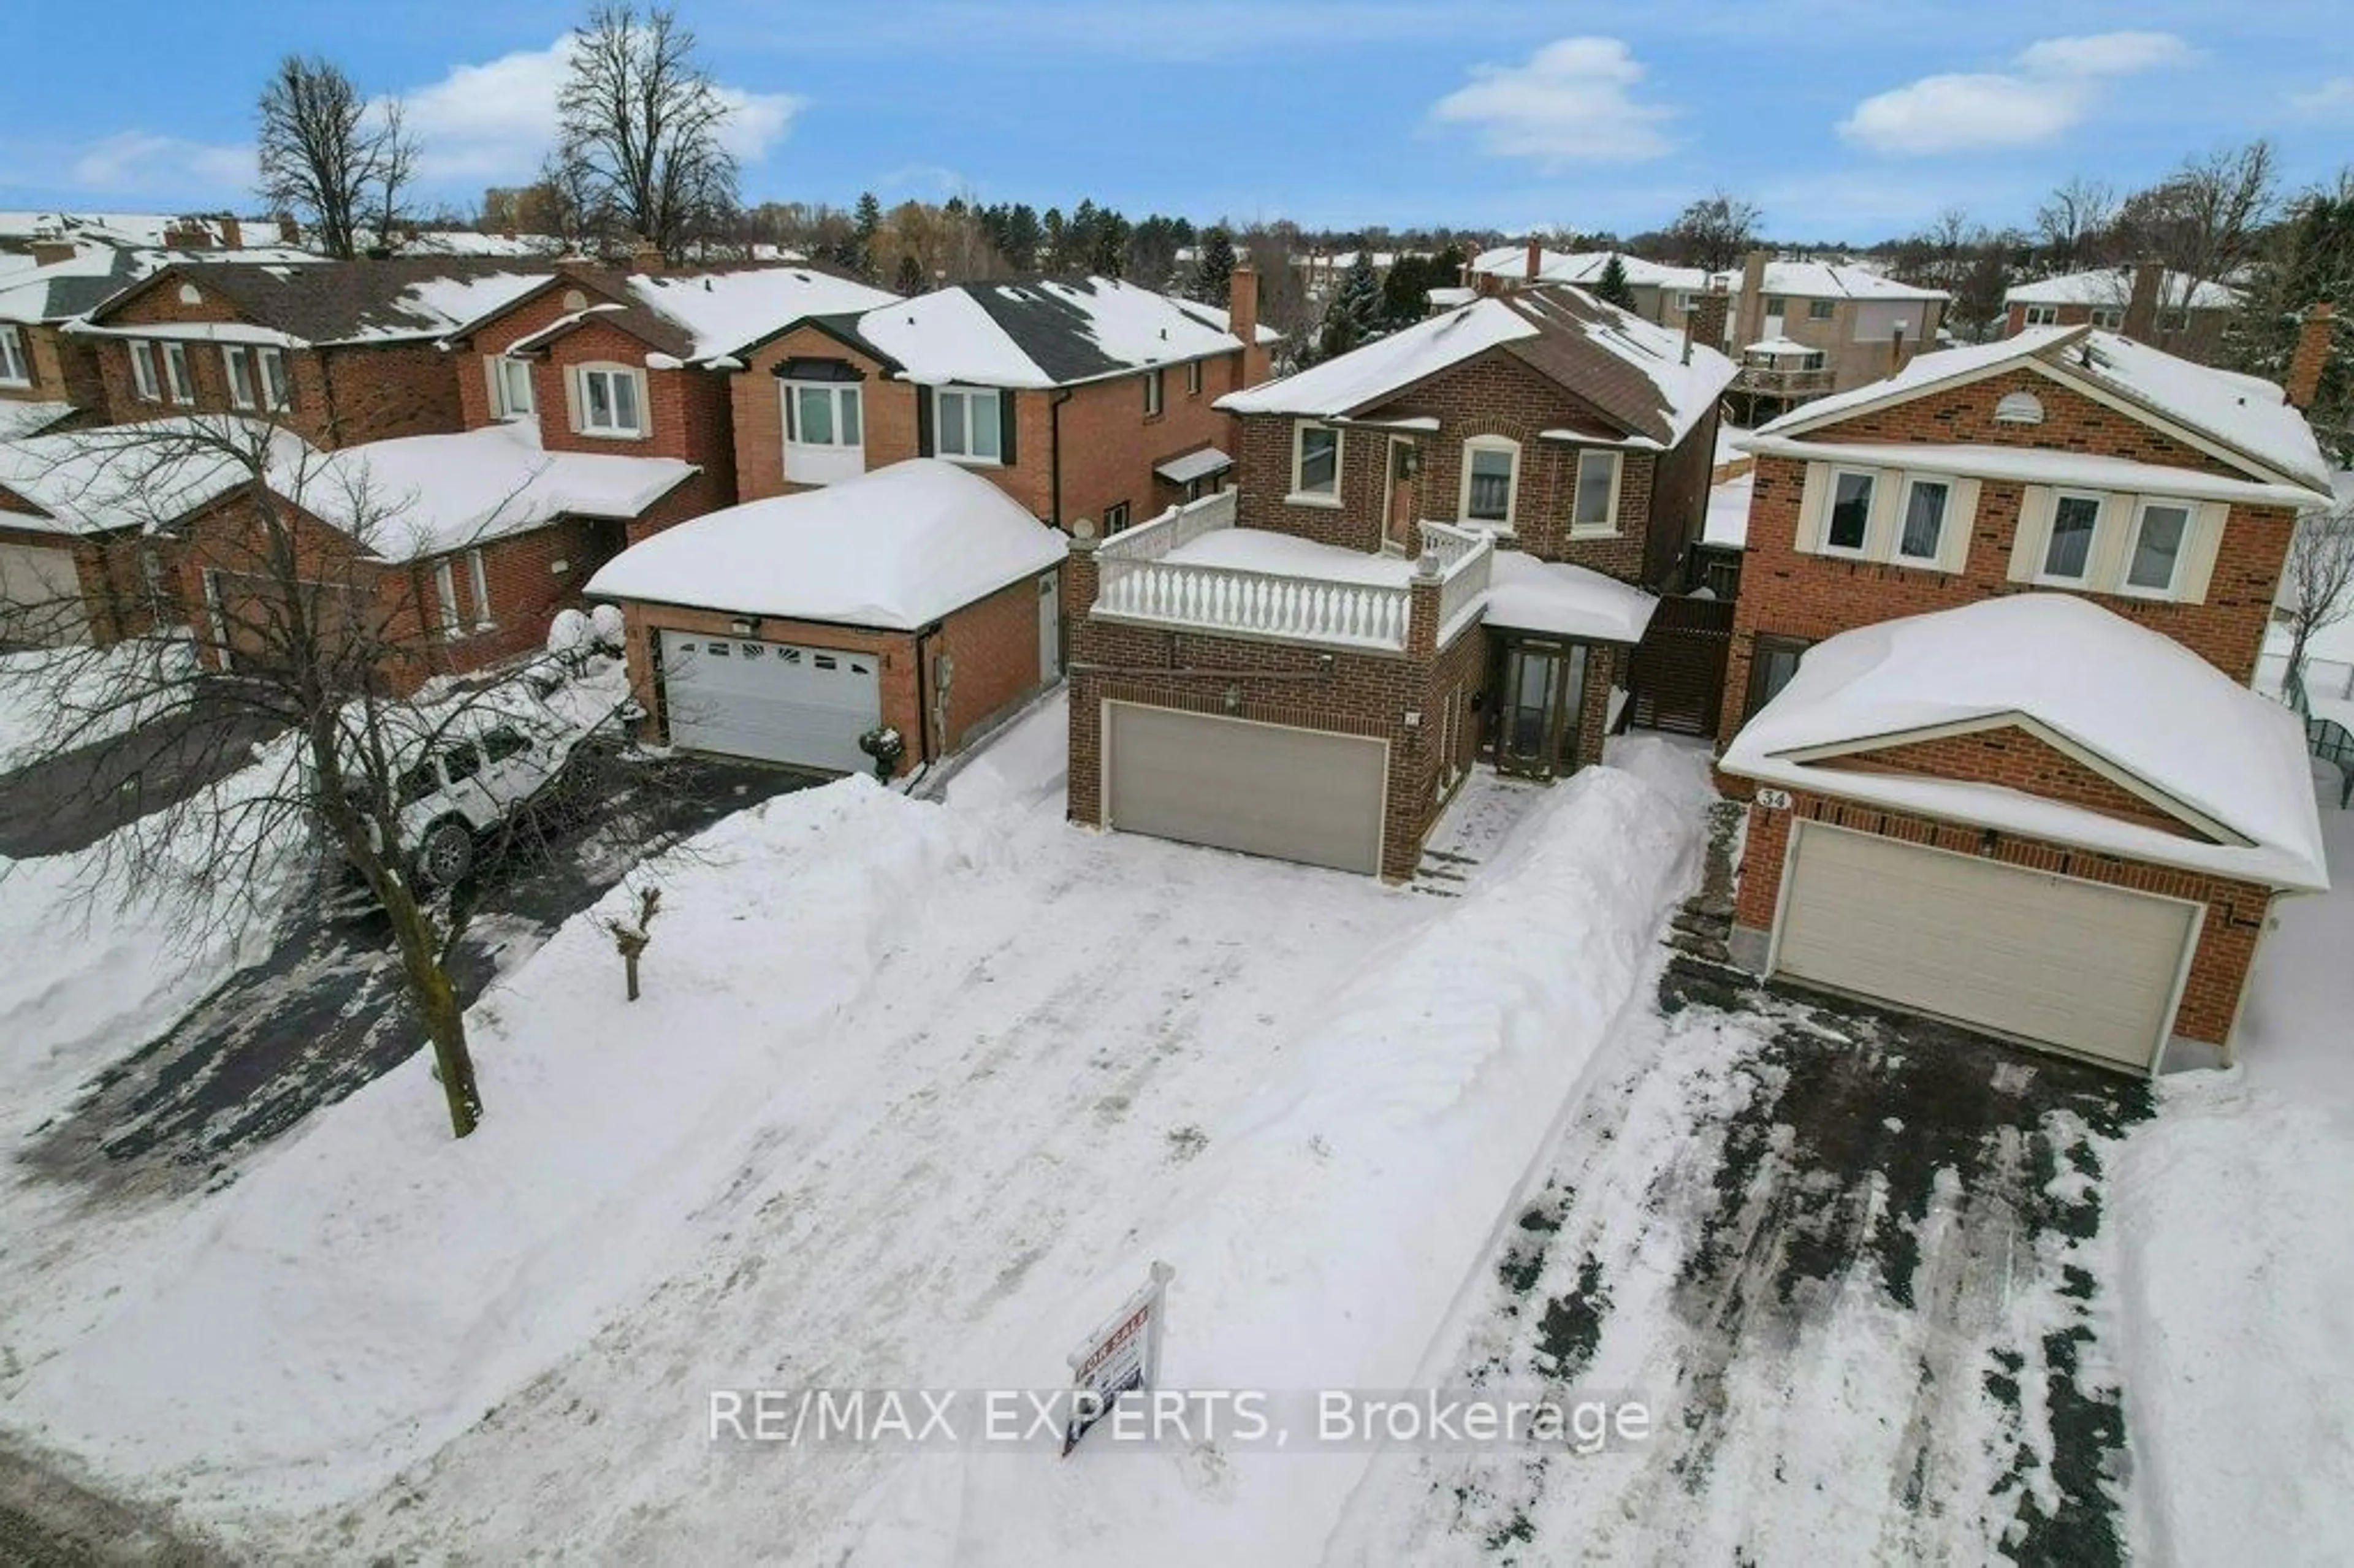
x=288, y=232
x=646, y=257
x=187, y=234
x=1749, y=316
x=1896, y=355
x=47, y=252
x=1242, y=320
x=2141, y=304
x=1536, y=260
x=2311, y=356
x=1705, y=317
x=233, y=233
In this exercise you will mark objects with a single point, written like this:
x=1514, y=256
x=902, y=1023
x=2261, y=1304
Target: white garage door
x=2090, y=969
x=780, y=701
x=40, y=597
x=1263, y=788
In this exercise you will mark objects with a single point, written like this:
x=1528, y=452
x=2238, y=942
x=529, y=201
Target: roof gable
x=339, y=302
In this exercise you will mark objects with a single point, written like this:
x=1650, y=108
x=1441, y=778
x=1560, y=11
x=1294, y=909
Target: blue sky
x=1842, y=118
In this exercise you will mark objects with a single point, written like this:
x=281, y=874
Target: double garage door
x=777, y=701
x=40, y=597
x=2093, y=969
x=1262, y=789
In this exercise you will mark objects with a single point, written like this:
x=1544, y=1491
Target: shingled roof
x=351, y=301
x=1637, y=375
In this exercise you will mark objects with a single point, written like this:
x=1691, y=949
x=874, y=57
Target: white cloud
x=1571, y=103
x=494, y=122
x=135, y=163
x=2056, y=83
x=2331, y=100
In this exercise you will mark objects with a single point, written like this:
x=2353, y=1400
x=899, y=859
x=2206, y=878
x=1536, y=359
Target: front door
x=1398, y=523
x=1539, y=695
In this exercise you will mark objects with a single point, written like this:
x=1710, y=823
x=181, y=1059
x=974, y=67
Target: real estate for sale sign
x=1121, y=1356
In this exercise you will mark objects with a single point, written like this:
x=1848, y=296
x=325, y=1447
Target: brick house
x=454, y=551
x=47, y=376
x=340, y=352
x=1432, y=554
x=2135, y=509
x=644, y=363
x=915, y=596
x=1088, y=398
x=2147, y=303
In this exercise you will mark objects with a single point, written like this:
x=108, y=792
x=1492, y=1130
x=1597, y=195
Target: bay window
x=824, y=414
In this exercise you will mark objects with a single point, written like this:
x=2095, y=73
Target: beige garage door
x=2090, y=969
x=40, y=597
x=1263, y=788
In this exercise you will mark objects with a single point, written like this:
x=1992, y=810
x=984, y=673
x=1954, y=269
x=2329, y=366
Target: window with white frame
x=445, y=597
x=2068, y=553
x=1155, y=391
x=2042, y=315
x=1491, y=472
x=2160, y=528
x=1192, y=379
x=1595, y=507
x=1315, y=462
x=478, y=579
x=2108, y=318
x=824, y=414
x=276, y=389
x=176, y=371
x=1849, y=526
x=1924, y=527
x=14, y=369
x=511, y=379
x=610, y=404
x=238, y=366
x=1115, y=518
x=966, y=426
x=143, y=372
x=1821, y=309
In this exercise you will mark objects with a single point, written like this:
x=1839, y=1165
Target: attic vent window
x=2019, y=408
x=191, y=295
x=573, y=300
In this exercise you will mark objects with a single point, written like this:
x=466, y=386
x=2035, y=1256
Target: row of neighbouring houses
x=516, y=424
x=1985, y=679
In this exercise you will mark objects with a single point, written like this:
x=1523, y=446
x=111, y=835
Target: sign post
x=1121, y=1355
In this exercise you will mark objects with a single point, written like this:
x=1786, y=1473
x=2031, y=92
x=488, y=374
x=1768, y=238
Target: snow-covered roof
x=62, y=290
x=722, y=313
x=1632, y=370
x=1728, y=511
x=1585, y=267
x=29, y=419
x=2137, y=700
x=325, y=304
x=2113, y=286
x=135, y=475
x=898, y=548
x=1195, y=465
x=1780, y=348
x=1046, y=334
x=1525, y=594
x=422, y=496
x=2243, y=414
x=1832, y=281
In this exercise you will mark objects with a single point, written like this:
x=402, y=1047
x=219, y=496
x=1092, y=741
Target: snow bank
x=2238, y=1269
x=1322, y=1239
x=57, y=698
x=106, y=972
x=357, y=1292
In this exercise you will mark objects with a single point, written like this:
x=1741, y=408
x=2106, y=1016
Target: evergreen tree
x=1054, y=242
x=1612, y=286
x=1355, y=316
x=865, y=224
x=1106, y=253
x=1214, y=269
x=2310, y=261
x=910, y=280
x=1405, y=292
x=1019, y=244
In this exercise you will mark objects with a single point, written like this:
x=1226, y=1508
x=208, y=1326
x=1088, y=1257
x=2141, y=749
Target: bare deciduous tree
x=2074, y=224
x=2318, y=586
x=329, y=157
x=2205, y=219
x=641, y=123
x=1714, y=231
x=309, y=588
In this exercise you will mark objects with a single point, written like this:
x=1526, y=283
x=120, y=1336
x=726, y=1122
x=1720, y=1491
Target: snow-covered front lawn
x=915, y=1092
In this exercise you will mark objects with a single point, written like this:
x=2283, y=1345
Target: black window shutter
x=923, y=421
x=1005, y=426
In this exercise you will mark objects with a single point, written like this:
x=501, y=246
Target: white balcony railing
x=1137, y=581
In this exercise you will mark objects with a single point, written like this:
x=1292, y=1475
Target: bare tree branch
x=330, y=157
x=640, y=132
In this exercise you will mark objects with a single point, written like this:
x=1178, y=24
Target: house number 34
x=1774, y=799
